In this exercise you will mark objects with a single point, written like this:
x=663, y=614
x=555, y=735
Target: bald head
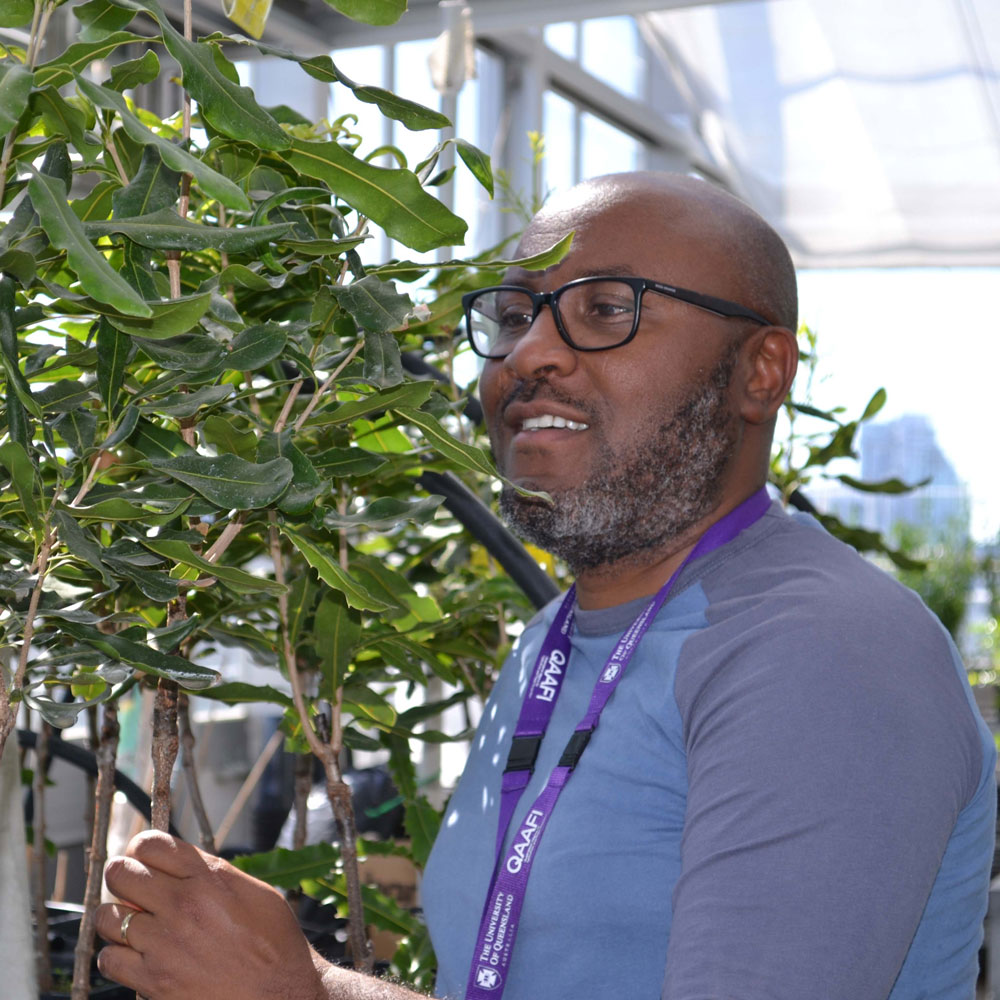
x=751, y=264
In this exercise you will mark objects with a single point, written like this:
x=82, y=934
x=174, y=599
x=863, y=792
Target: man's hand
x=201, y=928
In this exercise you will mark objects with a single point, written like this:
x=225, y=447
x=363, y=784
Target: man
x=789, y=792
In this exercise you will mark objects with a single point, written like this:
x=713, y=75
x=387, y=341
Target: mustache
x=528, y=390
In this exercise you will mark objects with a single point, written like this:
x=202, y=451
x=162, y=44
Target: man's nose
x=541, y=349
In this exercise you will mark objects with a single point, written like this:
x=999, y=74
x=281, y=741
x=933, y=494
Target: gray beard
x=640, y=500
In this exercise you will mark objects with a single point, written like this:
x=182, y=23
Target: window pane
x=613, y=53
x=558, y=129
x=561, y=38
x=606, y=149
x=365, y=66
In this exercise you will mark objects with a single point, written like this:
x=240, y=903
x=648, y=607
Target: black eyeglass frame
x=720, y=307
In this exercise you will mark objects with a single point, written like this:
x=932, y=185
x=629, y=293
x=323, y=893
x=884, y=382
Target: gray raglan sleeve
x=828, y=758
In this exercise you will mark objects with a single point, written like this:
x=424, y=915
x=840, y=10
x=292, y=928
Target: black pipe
x=487, y=528
x=86, y=760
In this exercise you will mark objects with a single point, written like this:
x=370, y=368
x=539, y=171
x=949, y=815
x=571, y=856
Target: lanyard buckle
x=575, y=747
x=523, y=751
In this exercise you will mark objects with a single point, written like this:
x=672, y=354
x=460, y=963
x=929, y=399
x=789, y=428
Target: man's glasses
x=591, y=314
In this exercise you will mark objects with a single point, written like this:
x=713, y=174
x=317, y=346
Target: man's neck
x=642, y=574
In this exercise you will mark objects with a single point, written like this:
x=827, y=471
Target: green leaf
x=408, y=394
x=63, y=396
x=478, y=163
x=186, y=404
x=135, y=72
x=464, y=455
x=112, y=356
x=306, y=485
x=137, y=270
x=80, y=543
x=422, y=822
x=20, y=401
x=890, y=486
x=392, y=198
x=237, y=580
x=157, y=442
x=173, y=156
x=219, y=431
x=340, y=462
x=166, y=230
x=64, y=229
x=385, y=513
x=874, y=405
x=75, y=59
x=383, y=364
x=15, y=89
x=167, y=319
x=16, y=13
x=254, y=347
x=286, y=868
x=239, y=693
x=192, y=353
x=158, y=587
x=536, y=262
x=336, y=634
x=77, y=428
x=144, y=657
x=228, y=481
x=99, y=18
x=14, y=457
x=62, y=714
x=374, y=303
x=62, y=118
x=301, y=598
x=371, y=11
x=154, y=187
x=324, y=561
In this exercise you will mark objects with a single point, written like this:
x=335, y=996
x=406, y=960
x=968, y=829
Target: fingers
x=151, y=868
x=120, y=924
x=170, y=855
x=122, y=965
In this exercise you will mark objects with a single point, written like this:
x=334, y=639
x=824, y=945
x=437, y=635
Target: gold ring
x=123, y=931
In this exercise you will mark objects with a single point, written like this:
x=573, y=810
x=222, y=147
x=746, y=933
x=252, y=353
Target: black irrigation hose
x=86, y=760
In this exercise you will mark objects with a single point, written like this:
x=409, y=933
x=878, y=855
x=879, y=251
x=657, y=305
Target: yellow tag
x=250, y=15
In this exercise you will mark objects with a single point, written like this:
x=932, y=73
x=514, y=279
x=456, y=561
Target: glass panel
x=562, y=38
x=612, y=51
x=363, y=65
x=606, y=149
x=558, y=126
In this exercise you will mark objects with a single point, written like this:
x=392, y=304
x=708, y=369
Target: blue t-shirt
x=790, y=794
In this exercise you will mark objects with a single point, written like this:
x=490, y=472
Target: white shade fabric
x=866, y=131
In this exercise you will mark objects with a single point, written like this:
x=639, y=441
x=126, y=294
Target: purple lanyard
x=502, y=910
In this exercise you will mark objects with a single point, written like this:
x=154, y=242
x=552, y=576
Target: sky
x=931, y=338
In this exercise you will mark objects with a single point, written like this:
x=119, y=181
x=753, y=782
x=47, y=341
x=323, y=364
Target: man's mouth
x=547, y=420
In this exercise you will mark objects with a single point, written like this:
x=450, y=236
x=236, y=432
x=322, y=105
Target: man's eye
x=610, y=309
x=514, y=319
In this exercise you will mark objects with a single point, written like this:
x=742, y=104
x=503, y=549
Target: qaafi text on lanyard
x=502, y=909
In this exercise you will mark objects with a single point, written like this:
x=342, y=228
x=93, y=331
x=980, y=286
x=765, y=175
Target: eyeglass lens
x=594, y=315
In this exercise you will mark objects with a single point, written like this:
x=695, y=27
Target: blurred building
x=905, y=449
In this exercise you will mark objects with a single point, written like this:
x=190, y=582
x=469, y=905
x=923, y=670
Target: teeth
x=549, y=420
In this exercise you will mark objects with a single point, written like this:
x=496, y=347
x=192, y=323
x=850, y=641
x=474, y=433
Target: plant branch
x=191, y=774
x=165, y=745
x=226, y=537
x=311, y=405
x=337, y=790
x=279, y=424
x=107, y=752
x=40, y=880
x=8, y=712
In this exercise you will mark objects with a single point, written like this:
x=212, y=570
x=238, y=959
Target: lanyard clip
x=523, y=751
x=575, y=747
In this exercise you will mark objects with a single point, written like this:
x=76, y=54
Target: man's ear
x=771, y=356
